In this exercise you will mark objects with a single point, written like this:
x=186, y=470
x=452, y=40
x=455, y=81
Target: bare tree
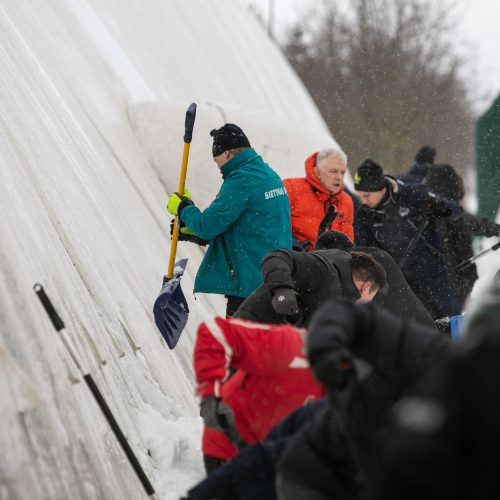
x=386, y=79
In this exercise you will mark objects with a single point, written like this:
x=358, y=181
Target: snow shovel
x=170, y=309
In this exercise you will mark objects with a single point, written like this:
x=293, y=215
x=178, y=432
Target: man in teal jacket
x=249, y=217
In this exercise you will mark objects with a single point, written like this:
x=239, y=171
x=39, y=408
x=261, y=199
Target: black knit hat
x=229, y=136
x=445, y=181
x=425, y=154
x=369, y=177
x=333, y=239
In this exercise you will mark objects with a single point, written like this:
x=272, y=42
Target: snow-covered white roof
x=91, y=123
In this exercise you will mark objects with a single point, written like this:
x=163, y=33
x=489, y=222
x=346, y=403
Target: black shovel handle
x=189, y=124
x=141, y=475
x=56, y=320
x=58, y=324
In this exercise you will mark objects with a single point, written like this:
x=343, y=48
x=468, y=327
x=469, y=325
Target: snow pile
x=91, y=123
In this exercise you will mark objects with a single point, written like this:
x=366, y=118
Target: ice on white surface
x=92, y=108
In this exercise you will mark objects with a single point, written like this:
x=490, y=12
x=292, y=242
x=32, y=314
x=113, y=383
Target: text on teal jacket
x=250, y=216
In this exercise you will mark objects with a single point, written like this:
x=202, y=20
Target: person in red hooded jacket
x=249, y=377
x=312, y=196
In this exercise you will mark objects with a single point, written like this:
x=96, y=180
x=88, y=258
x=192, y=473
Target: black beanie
x=445, y=181
x=333, y=239
x=229, y=136
x=425, y=154
x=369, y=177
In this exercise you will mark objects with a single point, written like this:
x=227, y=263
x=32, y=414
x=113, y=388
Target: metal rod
x=467, y=262
x=59, y=327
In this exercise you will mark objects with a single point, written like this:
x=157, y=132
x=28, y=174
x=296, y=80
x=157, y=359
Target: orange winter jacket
x=309, y=202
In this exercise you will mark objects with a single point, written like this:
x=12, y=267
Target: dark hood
x=341, y=260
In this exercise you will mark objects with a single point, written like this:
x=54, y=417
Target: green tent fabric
x=488, y=161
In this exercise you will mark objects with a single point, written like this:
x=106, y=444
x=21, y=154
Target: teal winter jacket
x=249, y=217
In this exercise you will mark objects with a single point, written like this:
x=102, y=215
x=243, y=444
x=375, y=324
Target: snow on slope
x=91, y=123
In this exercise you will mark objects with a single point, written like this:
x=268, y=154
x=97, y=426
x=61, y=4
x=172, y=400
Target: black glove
x=186, y=235
x=335, y=369
x=216, y=414
x=437, y=206
x=285, y=301
x=183, y=204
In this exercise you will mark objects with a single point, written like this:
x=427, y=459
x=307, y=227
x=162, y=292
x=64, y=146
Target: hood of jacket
x=341, y=260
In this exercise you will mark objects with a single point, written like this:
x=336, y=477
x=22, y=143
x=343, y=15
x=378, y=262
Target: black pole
x=59, y=326
x=413, y=242
x=119, y=434
x=468, y=262
x=57, y=322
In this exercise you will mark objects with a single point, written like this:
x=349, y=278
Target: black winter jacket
x=315, y=276
x=416, y=173
x=458, y=235
x=398, y=355
x=451, y=452
x=394, y=224
x=399, y=298
x=404, y=225
x=251, y=474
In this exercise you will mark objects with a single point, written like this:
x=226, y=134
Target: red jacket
x=272, y=376
x=309, y=201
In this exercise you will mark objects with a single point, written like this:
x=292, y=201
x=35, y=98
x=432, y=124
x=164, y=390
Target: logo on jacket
x=275, y=192
x=404, y=211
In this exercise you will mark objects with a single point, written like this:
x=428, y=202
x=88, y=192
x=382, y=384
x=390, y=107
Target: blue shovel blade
x=170, y=309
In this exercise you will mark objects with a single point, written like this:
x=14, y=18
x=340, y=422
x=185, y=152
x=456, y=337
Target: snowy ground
x=91, y=123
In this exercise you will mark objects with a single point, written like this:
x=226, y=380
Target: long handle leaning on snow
x=58, y=325
x=188, y=135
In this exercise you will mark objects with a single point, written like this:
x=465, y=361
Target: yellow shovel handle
x=175, y=233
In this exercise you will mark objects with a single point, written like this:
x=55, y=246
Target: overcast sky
x=478, y=34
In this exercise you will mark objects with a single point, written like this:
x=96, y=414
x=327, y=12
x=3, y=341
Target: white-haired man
x=312, y=196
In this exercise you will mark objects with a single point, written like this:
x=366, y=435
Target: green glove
x=185, y=230
x=177, y=202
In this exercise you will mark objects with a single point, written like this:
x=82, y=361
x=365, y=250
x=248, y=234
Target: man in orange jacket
x=312, y=196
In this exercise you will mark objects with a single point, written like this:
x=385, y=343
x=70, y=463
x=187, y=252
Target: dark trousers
x=233, y=303
x=212, y=463
x=435, y=293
